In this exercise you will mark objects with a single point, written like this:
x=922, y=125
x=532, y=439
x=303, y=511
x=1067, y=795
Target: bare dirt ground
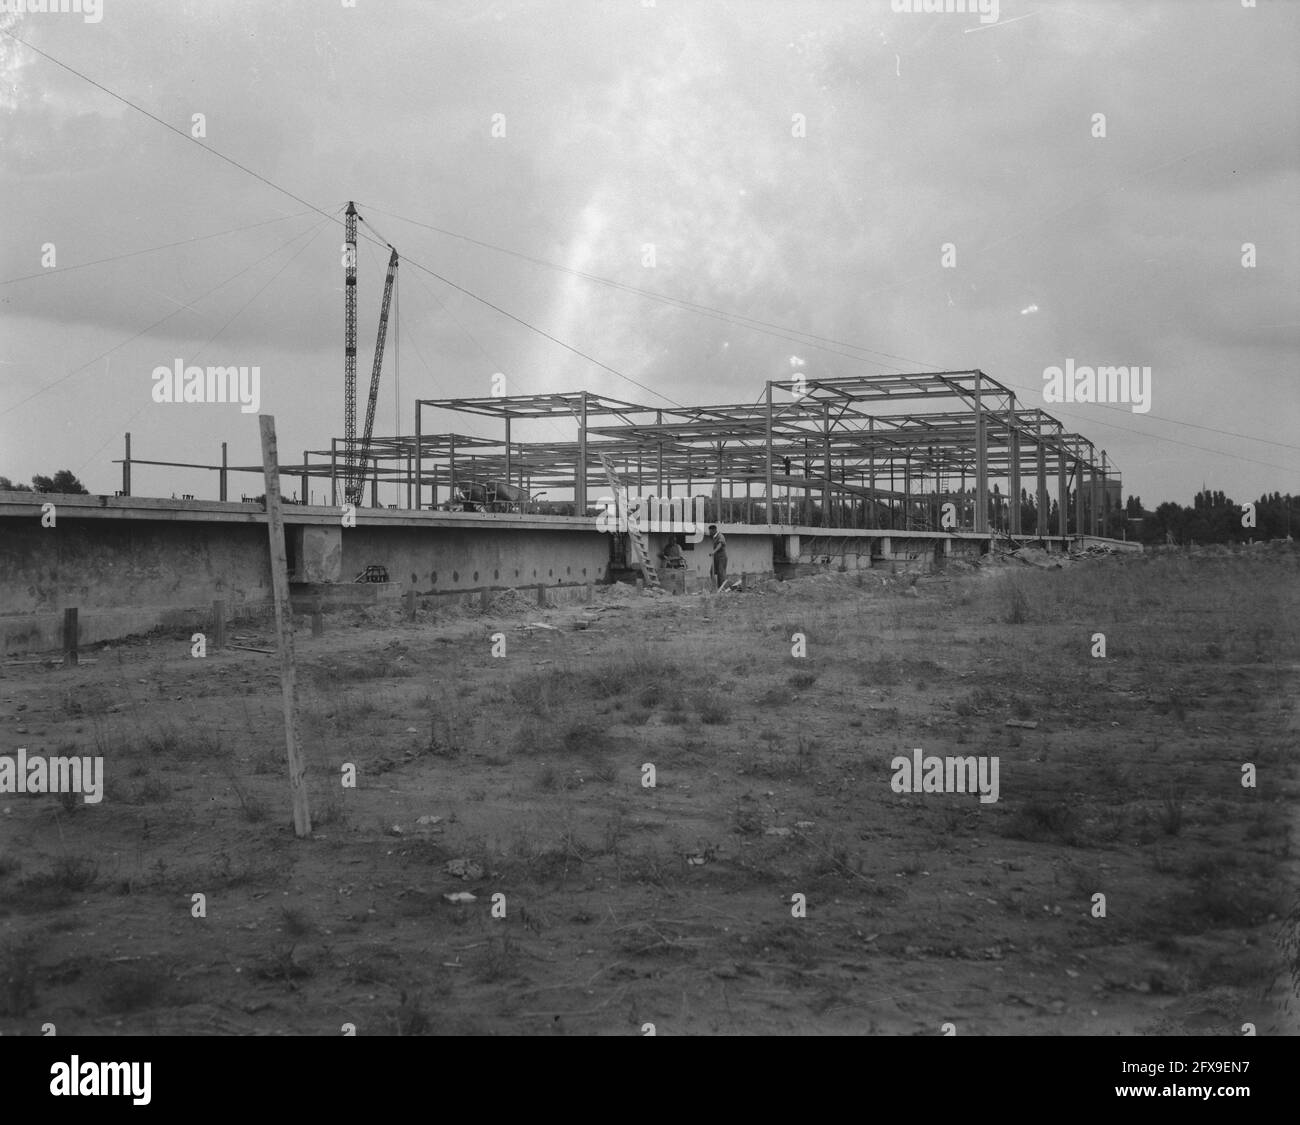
x=627, y=905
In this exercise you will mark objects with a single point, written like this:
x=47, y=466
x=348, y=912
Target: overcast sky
x=672, y=124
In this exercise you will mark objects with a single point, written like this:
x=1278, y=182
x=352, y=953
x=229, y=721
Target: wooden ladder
x=636, y=536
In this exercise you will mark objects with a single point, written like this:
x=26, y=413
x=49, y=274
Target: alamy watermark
x=179, y=383
x=1098, y=384
x=92, y=11
x=101, y=1079
x=987, y=10
x=653, y=514
x=37, y=774
x=923, y=773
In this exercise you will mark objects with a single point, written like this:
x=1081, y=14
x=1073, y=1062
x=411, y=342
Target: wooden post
x=541, y=595
x=485, y=597
x=284, y=625
x=591, y=591
x=409, y=598
x=317, y=619
x=69, y=637
x=218, y=624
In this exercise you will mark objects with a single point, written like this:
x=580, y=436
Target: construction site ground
x=522, y=775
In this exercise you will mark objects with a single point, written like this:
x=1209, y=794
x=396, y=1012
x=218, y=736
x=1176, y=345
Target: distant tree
x=1028, y=512
x=7, y=485
x=63, y=481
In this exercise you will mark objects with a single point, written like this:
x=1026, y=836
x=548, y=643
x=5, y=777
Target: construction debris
x=1036, y=556
x=464, y=869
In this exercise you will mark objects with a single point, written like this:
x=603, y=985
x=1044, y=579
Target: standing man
x=719, y=557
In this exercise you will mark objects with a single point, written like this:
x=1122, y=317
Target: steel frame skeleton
x=873, y=451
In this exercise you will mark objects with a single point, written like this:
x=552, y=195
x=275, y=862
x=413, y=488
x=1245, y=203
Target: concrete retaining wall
x=131, y=564
x=442, y=559
x=117, y=564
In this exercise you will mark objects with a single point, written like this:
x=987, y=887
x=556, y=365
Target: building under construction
x=896, y=470
x=868, y=452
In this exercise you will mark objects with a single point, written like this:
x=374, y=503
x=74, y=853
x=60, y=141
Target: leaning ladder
x=636, y=535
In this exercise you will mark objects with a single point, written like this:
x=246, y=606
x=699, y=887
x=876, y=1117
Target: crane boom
x=356, y=476
x=350, y=340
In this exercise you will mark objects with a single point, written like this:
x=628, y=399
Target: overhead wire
x=789, y=333
x=793, y=335
x=58, y=270
x=149, y=328
x=307, y=203
x=314, y=233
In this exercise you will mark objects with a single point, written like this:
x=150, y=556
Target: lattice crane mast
x=359, y=457
x=349, y=340
x=356, y=482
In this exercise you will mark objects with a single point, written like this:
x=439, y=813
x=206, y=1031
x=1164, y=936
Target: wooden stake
x=284, y=625
x=317, y=619
x=218, y=624
x=69, y=637
x=409, y=597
